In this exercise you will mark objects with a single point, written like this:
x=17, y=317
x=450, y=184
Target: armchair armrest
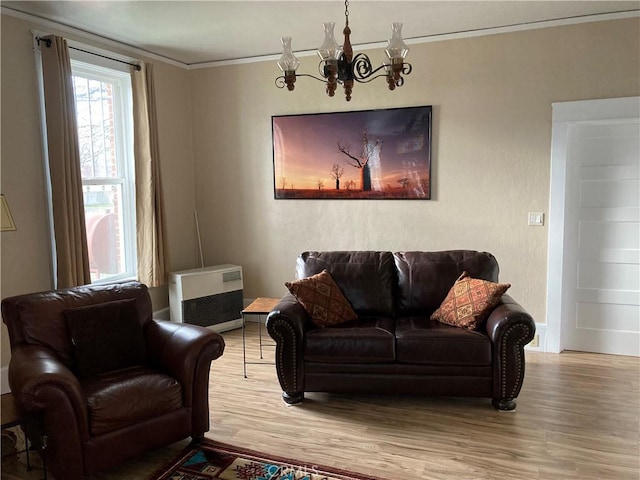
x=510, y=328
x=287, y=324
x=185, y=352
x=180, y=349
x=33, y=370
x=41, y=382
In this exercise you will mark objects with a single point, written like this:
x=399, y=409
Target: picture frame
x=382, y=154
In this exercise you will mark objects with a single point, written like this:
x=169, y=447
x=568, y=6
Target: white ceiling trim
x=305, y=53
x=439, y=37
x=41, y=22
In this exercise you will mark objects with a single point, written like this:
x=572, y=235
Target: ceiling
x=202, y=32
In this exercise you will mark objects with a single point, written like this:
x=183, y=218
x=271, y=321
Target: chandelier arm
x=321, y=68
x=280, y=82
x=323, y=80
x=370, y=78
x=406, y=68
x=363, y=71
x=362, y=68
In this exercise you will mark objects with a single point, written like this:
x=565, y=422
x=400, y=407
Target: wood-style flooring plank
x=578, y=417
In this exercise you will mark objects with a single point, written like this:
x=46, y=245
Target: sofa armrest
x=287, y=324
x=40, y=382
x=185, y=352
x=510, y=328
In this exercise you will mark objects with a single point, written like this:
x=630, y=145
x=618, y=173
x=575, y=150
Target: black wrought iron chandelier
x=339, y=66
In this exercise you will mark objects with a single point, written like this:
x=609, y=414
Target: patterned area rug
x=213, y=460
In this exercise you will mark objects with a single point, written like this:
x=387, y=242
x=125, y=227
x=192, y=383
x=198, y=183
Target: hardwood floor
x=578, y=417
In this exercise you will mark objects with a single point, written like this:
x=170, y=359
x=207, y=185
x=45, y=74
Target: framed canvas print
x=369, y=154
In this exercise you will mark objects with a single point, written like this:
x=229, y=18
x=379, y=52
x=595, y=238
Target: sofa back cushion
x=367, y=279
x=425, y=278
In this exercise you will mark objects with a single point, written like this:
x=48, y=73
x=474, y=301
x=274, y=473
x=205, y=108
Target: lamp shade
x=7, y=220
x=329, y=50
x=397, y=49
x=288, y=61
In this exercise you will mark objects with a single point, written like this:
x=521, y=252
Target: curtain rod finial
x=46, y=41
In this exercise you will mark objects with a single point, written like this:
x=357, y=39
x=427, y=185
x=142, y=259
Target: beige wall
x=492, y=131
x=492, y=100
x=25, y=253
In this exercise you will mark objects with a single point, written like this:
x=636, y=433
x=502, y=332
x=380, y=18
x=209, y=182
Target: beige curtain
x=152, y=250
x=72, y=254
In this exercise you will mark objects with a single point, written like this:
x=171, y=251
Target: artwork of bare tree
x=371, y=154
x=336, y=172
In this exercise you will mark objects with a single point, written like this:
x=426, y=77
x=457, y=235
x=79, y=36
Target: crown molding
x=440, y=37
x=83, y=35
x=305, y=53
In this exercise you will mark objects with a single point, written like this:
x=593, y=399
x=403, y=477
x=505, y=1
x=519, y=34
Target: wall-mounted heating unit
x=209, y=297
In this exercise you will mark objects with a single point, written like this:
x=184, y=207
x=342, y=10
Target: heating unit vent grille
x=213, y=309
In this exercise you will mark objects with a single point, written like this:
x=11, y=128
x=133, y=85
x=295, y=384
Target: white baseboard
x=230, y=325
x=541, y=333
x=162, y=314
x=4, y=380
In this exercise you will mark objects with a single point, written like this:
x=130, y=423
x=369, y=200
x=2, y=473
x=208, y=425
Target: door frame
x=565, y=116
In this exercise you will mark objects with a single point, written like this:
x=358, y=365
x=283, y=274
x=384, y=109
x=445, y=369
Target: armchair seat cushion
x=367, y=340
x=124, y=397
x=429, y=342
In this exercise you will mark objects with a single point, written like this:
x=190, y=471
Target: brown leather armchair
x=110, y=381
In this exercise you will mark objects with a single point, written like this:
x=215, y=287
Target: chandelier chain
x=346, y=12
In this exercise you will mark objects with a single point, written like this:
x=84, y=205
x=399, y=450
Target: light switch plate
x=536, y=219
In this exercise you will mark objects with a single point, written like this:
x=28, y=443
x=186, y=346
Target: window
x=105, y=132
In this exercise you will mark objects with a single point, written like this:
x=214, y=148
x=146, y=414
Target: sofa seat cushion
x=367, y=340
x=121, y=398
x=429, y=342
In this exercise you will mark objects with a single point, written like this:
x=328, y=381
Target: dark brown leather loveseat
x=141, y=384
x=393, y=346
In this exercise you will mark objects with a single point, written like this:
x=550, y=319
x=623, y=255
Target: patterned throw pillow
x=469, y=302
x=322, y=299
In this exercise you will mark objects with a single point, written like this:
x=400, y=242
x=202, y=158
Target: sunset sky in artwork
x=306, y=147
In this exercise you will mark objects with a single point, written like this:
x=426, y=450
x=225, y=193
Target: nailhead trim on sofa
x=517, y=349
x=280, y=362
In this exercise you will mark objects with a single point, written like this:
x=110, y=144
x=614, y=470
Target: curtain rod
x=47, y=42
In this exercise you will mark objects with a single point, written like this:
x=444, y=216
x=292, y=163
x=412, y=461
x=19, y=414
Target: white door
x=599, y=304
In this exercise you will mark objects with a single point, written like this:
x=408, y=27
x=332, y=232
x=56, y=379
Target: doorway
x=593, y=296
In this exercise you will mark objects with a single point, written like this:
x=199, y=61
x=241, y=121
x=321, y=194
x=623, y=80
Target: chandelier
x=339, y=66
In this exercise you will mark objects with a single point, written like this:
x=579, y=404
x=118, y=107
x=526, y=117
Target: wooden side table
x=10, y=417
x=260, y=306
